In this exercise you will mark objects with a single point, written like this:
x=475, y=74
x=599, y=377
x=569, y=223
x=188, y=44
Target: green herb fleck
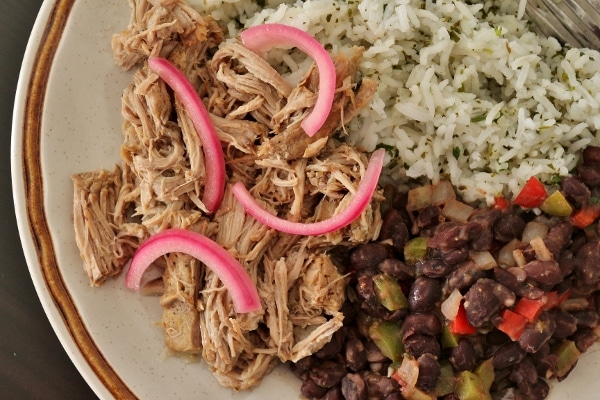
x=556, y=179
x=456, y=152
x=479, y=118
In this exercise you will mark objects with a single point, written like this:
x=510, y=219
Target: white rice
x=466, y=91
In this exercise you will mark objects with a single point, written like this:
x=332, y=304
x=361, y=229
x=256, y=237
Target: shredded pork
x=159, y=186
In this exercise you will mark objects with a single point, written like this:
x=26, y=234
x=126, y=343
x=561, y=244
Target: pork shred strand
x=160, y=181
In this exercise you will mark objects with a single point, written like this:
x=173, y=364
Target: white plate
x=67, y=120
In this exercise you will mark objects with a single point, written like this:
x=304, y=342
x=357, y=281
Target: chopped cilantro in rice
x=464, y=75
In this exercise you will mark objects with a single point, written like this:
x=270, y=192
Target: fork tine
x=547, y=24
x=567, y=19
x=586, y=19
x=575, y=22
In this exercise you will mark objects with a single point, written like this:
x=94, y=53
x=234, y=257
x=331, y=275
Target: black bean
x=378, y=311
x=374, y=355
x=524, y=375
x=484, y=241
x=463, y=357
x=335, y=393
x=544, y=274
x=591, y=155
x=496, y=337
x=464, y=276
x=501, y=380
x=586, y=318
x=537, y=333
x=429, y=372
x=365, y=288
x=484, y=299
x=327, y=373
x=368, y=255
x=379, y=386
x=521, y=289
x=546, y=366
x=575, y=191
x=355, y=354
x=566, y=324
x=395, y=396
x=449, y=235
x=370, y=302
x=393, y=227
x=423, y=323
x=509, y=227
x=302, y=367
x=485, y=218
x=434, y=268
x=589, y=174
x=539, y=390
x=584, y=339
x=455, y=256
x=333, y=347
x=363, y=323
x=423, y=294
x=417, y=345
x=587, y=263
x=558, y=237
x=427, y=217
x=311, y=390
x=544, y=361
x=354, y=387
x=508, y=354
x=566, y=262
x=396, y=268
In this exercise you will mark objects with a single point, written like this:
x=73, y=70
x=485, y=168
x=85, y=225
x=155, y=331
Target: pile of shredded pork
x=159, y=184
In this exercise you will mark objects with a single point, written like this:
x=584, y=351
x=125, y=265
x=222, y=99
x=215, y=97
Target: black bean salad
x=463, y=302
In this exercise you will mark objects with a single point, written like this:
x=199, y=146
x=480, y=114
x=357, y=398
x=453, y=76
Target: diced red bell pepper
x=461, y=325
x=586, y=216
x=500, y=203
x=530, y=309
x=532, y=195
x=553, y=299
x=512, y=324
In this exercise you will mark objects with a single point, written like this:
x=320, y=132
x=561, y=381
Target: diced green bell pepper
x=556, y=204
x=469, y=386
x=568, y=355
x=387, y=335
x=415, y=250
x=389, y=292
x=485, y=371
x=446, y=381
x=449, y=339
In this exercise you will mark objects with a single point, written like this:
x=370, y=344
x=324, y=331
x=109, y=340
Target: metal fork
x=574, y=22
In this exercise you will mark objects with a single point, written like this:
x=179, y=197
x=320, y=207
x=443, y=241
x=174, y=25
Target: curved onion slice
x=211, y=146
x=357, y=205
x=235, y=278
x=261, y=38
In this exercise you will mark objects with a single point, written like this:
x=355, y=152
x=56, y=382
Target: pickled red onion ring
x=241, y=289
x=263, y=37
x=214, y=164
x=357, y=205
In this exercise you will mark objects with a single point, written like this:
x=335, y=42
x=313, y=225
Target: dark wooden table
x=33, y=364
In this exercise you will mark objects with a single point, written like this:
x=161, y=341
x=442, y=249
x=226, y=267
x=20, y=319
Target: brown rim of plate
x=34, y=197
